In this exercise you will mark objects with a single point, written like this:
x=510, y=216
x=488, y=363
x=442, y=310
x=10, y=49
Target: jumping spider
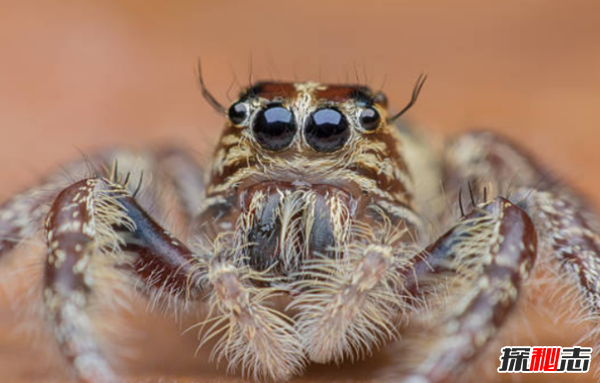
x=316, y=197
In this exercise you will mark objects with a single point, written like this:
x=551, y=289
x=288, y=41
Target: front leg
x=89, y=227
x=471, y=277
x=347, y=307
x=95, y=228
x=21, y=217
x=568, y=227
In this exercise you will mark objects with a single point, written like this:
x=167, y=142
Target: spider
x=322, y=227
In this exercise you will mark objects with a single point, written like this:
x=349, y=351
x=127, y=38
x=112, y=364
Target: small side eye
x=370, y=119
x=238, y=113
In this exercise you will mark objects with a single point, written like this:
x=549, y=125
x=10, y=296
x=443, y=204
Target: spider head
x=300, y=161
x=312, y=134
x=305, y=132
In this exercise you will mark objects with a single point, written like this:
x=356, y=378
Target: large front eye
x=274, y=127
x=327, y=130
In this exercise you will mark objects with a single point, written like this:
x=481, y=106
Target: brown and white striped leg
x=91, y=225
x=96, y=224
x=481, y=262
x=22, y=215
x=568, y=227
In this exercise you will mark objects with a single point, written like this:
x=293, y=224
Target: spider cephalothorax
x=313, y=238
x=298, y=163
x=307, y=174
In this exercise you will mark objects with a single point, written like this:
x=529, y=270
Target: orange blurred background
x=78, y=76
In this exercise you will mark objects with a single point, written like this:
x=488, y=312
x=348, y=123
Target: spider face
x=297, y=161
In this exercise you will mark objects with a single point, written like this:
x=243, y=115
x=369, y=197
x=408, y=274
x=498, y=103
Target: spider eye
x=274, y=127
x=369, y=119
x=238, y=113
x=327, y=130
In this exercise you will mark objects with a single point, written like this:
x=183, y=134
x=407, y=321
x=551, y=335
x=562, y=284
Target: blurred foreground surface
x=80, y=76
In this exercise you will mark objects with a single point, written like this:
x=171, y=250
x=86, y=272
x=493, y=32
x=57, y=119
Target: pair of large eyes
x=326, y=129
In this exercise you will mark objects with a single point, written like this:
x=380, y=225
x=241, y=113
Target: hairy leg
x=470, y=278
x=89, y=228
x=252, y=336
x=347, y=304
x=22, y=215
x=346, y=308
x=95, y=227
x=568, y=227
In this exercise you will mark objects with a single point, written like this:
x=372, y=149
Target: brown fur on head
x=365, y=161
x=298, y=163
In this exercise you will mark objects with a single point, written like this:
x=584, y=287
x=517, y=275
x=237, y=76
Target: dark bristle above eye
x=273, y=91
x=362, y=96
x=252, y=91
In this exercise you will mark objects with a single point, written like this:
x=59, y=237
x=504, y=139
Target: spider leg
x=482, y=262
x=347, y=307
x=255, y=337
x=568, y=226
x=98, y=227
x=96, y=223
x=347, y=303
x=89, y=226
x=22, y=215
